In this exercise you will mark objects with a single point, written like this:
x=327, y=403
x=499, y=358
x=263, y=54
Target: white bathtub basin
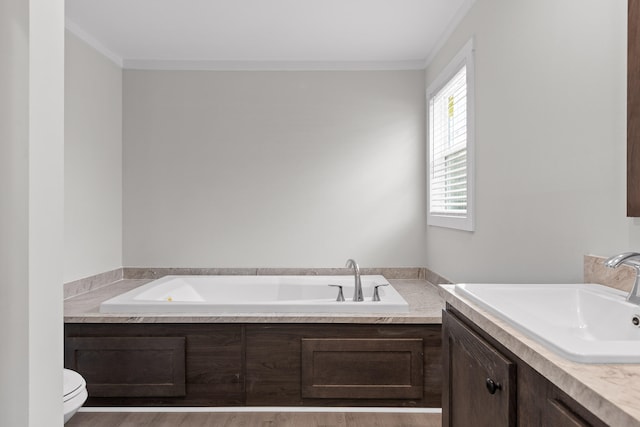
x=582, y=322
x=255, y=294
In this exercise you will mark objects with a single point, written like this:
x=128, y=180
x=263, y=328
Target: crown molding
x=208, y=65
x=74, y=29
x=453, y=24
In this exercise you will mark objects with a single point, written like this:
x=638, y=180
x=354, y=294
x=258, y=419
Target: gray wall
x=550, y=141
x=31, y=211
x=273, y=169
x=93, y=161
x=237, y=169
x=14, y=210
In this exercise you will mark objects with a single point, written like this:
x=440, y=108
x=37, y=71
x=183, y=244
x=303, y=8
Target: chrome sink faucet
x=357, y=293
x=632, y=259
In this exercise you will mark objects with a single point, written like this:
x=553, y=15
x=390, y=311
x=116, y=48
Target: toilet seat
x=74, y=391
x=73, y=384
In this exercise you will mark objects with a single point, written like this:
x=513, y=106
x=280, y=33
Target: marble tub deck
x=425, y=307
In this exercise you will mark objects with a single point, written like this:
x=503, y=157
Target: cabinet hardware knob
x=492, y=386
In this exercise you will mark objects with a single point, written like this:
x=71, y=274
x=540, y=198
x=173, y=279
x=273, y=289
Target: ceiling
x=282, y=34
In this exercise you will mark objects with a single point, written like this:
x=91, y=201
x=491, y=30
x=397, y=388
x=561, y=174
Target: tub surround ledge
x=91, y=283
x=96, y=281
x=156, y=273
x=425, y=306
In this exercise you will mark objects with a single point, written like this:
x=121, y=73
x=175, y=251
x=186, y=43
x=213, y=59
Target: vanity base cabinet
x=484, y=384
x=479, y=381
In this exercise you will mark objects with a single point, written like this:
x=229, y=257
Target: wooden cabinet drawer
x=362, y=368
x=129, y=366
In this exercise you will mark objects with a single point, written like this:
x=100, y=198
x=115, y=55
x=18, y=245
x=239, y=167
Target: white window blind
x=450, y=101
x=448, y=168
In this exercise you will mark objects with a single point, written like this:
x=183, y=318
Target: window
x=450, y=102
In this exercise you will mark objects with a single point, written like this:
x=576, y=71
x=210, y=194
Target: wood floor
x=253, y=419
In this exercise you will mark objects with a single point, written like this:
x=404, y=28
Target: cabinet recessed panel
x=362, y=368
x=129, y=366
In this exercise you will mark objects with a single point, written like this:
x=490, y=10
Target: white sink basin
x=582, y=322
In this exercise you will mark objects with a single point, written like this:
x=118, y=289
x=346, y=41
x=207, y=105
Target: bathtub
x=255, y=294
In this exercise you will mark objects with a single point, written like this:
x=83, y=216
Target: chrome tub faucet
x=357, y=293
x=631, y=259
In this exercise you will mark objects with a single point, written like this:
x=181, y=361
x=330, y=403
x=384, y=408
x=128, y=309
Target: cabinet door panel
x=158, y=364
x=479, y=381
x=362, y=368
x=127, y=366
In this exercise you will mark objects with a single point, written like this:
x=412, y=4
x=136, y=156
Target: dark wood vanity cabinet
x=479, y=382
x=486, y=385
x=257, y=364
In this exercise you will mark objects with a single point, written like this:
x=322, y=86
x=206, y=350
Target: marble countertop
x=425, y=307
x=610, y=391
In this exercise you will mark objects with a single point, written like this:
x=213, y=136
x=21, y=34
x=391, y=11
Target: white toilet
x=75, y=393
